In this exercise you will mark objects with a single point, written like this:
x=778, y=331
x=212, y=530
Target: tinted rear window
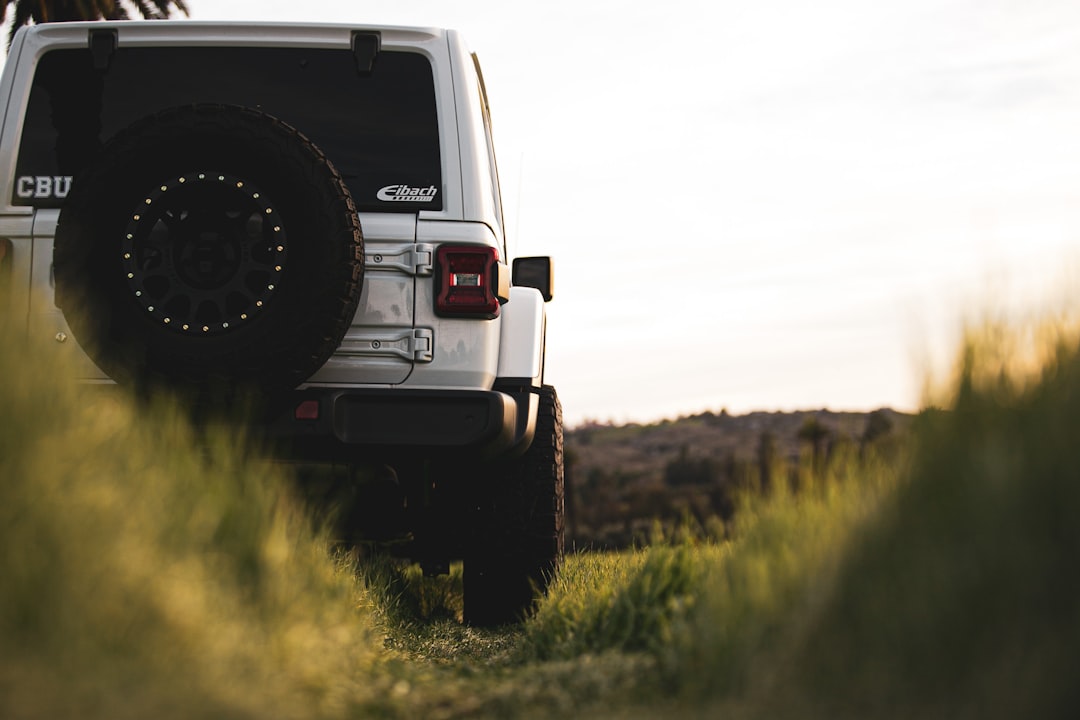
x=380, y=130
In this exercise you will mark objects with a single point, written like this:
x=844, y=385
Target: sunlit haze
x=768, y=205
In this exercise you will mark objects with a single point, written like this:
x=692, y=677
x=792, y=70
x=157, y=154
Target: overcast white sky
x=771, y=204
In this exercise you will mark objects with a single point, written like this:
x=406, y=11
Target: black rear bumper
x=336, y=423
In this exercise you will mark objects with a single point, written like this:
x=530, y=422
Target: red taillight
x=307, y=410
x=469, y=281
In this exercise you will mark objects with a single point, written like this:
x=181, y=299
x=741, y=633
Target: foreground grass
x=144, y=574
x=147, y=572
x=960, y=599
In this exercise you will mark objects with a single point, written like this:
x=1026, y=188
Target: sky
x=769, y=205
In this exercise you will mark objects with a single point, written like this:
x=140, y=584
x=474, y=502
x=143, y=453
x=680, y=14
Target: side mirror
x=534, y=272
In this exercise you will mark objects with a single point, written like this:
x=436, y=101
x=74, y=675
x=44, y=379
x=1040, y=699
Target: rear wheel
x=516, y=543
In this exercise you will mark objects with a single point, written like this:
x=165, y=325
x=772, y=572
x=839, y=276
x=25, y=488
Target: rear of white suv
x=309, y=215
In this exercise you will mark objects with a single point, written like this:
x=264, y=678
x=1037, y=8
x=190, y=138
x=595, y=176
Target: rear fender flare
x=521, y=337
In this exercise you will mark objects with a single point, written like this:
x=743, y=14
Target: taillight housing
x=471, y=281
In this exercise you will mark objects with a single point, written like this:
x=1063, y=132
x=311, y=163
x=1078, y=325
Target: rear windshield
x=380, y=129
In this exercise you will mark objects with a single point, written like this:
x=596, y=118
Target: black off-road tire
x=516, y=545
x=208, y=247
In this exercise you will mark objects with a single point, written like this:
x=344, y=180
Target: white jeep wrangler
x=308, y=215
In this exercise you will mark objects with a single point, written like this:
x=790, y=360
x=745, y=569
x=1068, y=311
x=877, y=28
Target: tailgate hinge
x=412, y=344
x=415, y=260
x=423, y=344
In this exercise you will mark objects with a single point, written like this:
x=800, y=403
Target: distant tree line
x=613, y=508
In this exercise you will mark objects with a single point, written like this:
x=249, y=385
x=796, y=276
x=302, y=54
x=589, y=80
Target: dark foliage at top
x=42, y=11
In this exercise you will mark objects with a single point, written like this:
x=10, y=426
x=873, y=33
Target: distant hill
x=625, y=478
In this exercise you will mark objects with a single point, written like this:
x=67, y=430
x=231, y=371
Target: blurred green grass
x=960, y=599
x=147, y=569
x=148, y=572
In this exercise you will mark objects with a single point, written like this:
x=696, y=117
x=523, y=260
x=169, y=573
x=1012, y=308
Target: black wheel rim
x=204, y=252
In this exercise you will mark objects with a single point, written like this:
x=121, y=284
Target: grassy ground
x=144, y=573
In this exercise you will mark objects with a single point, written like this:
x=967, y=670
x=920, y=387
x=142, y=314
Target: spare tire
x=209, y=246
